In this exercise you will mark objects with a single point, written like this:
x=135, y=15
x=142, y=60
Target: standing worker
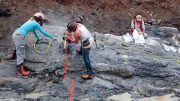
x=19, y=36
x=138, y=25
x=84, y=36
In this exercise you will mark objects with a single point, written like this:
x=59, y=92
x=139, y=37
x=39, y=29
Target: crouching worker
x=84, y=36
x=138, y=25
x=19, y=36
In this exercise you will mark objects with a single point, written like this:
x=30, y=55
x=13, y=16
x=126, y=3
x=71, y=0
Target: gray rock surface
x=143, y=71
x=161, y=32
x=169, y=35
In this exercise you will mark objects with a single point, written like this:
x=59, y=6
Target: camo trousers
x=19, y=41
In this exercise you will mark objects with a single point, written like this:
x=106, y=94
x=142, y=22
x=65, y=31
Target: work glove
x=64, y=38
x=37, y=41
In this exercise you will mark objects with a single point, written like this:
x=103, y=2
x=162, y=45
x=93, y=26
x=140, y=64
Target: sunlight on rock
x=36, y=95
x=123, y=97
x=127, y=97
x=169, y=97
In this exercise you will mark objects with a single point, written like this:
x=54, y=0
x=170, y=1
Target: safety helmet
x=39, y=15
x=71, y=27
x=138, y=17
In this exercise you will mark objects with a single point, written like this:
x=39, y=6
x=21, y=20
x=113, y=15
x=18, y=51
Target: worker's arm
x=77, y=36
x=143, y=26
x=132, y=26
x=38, y=27
x=68, y=36
x=36, y=36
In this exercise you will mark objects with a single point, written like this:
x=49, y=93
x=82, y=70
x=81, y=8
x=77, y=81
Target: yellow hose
x=35, y=47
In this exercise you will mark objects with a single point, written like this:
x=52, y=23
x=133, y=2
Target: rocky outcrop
x=142, y=71
x=127, y=97
x=104, y=16
x=176, y=40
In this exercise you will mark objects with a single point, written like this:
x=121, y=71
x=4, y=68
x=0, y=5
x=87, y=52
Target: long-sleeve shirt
x=32, y=26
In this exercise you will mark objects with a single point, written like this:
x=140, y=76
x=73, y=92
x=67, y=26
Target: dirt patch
x=106, y=16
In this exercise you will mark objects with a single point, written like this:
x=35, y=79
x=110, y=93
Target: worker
x=84, y=36
x=138, y=25
x=35, y=23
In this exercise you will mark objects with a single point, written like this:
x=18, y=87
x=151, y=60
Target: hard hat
x=138, y=17
x=39, y=15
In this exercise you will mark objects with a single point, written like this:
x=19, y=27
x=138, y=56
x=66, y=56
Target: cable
x=37, y=42
x=41, y=41
x=71, y=91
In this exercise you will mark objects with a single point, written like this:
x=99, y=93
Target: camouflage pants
x=19, y=41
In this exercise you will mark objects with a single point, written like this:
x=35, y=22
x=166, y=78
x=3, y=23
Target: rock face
x=176, y=40
x=5, y=13
x=161, y=32
x=142, y=71
x=104, y=16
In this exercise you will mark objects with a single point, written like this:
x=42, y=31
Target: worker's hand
x=37, y=41
x=68, y=38
x=64, y=38
x=79, y=51
x=73, y=44
x=55, y=39
x=42, y=37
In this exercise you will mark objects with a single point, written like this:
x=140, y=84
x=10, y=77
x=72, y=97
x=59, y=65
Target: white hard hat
x=138, y=17
x=39, y=15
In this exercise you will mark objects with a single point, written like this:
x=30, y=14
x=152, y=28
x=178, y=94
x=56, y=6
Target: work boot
x=22, y=71
x=11, y=56
x=87, y=76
